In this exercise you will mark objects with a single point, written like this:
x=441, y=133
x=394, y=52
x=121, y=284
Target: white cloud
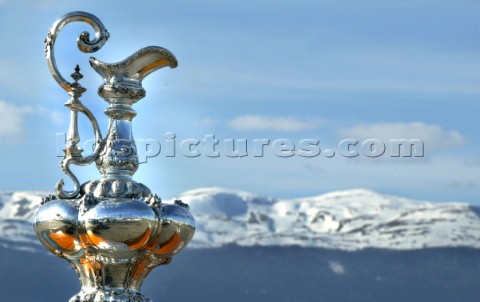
x=12, y=119
x=432, y=135
x=286, y=124
x=336, y=267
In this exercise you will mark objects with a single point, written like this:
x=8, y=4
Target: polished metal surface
x=112, y=230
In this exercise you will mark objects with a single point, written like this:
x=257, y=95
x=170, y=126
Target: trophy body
x=112, y=230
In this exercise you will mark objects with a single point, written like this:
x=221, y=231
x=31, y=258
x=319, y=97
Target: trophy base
x=108, y=296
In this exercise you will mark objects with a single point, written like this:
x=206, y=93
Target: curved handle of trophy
x=83, y=41
x=99, y=141
x=78, y=159
x=59, y=191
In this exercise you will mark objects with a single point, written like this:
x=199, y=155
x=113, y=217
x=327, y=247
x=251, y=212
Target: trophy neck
x=119, y=157
x=121, y=94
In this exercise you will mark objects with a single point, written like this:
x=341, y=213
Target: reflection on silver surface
x=112, y=230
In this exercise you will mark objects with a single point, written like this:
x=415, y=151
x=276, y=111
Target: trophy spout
x=137, y=66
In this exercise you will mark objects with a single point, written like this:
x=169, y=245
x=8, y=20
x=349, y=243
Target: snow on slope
x=17, y=210
x=347, y=220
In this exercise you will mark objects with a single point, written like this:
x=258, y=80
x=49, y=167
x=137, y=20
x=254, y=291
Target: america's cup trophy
x=112, y=230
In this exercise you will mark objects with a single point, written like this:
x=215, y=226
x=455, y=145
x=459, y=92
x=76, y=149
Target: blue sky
x=324, y=70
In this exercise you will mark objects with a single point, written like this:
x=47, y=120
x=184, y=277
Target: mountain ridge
x=344, y=220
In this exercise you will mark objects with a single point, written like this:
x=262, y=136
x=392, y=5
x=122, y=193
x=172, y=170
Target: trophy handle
x=72, y=151
x=83, y=41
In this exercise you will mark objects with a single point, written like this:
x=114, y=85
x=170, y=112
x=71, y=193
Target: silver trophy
x=112, y=230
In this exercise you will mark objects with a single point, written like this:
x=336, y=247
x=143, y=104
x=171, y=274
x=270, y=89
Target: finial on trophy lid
x=112, y=230
x=76, y=76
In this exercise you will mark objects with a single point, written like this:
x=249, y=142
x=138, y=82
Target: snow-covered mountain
x=345, y=220
x=17, y=211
